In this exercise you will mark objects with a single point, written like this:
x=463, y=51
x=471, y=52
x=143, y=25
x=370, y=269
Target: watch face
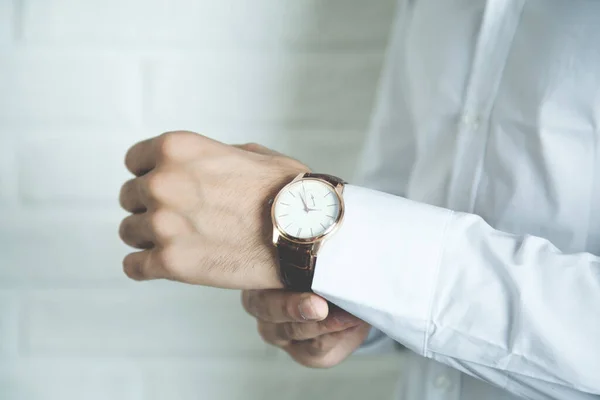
x=307, y=209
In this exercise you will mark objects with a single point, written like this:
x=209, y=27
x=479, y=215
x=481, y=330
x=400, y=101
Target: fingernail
x=307, y=309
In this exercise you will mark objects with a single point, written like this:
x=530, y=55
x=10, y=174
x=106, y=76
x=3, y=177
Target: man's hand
x=304, y=326
x=200, y=211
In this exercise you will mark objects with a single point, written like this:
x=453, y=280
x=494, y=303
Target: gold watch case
x=317, y=241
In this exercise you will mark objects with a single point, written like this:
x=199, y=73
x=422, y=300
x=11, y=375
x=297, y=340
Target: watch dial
x=307, y=208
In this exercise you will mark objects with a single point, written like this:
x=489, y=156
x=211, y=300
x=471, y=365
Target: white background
x=80, y=81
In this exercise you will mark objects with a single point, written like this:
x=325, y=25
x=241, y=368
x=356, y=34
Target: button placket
x=498, y=26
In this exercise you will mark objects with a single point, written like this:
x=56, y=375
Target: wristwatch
x=305, y=213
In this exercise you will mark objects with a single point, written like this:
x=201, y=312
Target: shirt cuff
x=382, y=263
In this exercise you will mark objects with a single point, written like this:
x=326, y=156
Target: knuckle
x=319, y=348
x=290, y=331
x=170, y=143
x=260, y=305
x=178, y=145
x=157, y=184
x=159, y=218
x=290, y=307
x=328, y=325
x=253, y=147
x=168, y=258
x=165, y=224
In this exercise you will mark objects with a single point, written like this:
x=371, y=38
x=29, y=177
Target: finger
x=135, y=231
x=177, y=146
x=282, y=334
x=267, y=332
x=301, y=331
x=144, y=265
x=316, y=347
x=327, y=350
x=283, y=306
x=257, y=148
x=141, y=157
x=133, y=196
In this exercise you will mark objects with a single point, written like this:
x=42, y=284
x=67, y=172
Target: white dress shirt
x=477, y=244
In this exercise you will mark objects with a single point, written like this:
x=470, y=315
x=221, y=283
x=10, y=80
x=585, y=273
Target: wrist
x=271, y=274
x=305, y=212
x=271, y=278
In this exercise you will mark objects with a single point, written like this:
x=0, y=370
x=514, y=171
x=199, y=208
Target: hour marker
x=288, y=225
x=299, y=230
x=284, y=204
x=327, y=194
x=311, y=232
x=291, y=194
x=331, y=216
x=324, y=227
x=330, y=205
x=283, y=215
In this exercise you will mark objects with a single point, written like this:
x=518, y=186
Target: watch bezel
x=278, y=230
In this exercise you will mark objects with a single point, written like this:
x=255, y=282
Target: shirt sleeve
x=512, y=310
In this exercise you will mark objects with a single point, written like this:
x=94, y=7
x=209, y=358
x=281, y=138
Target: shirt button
x=442, y=382
x=471, y=120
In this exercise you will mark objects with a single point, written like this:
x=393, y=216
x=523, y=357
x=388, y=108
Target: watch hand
x=313, y=199
x=304, y=202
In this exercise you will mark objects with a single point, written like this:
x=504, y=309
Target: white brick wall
x=254, y=89
x=80, y=81
x=226, y=23
x=58, y=88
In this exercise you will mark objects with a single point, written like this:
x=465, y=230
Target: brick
x=231, y=23
x=9, y=324
x=311, y=91
x=62, y=89
x=60, y=249
x=66, y=170
x=365, y=378
x=56, y=379
x=150, y=319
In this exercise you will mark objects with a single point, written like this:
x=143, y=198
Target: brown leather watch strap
x=297, y=266
x=334, y=180
x=296, y=261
